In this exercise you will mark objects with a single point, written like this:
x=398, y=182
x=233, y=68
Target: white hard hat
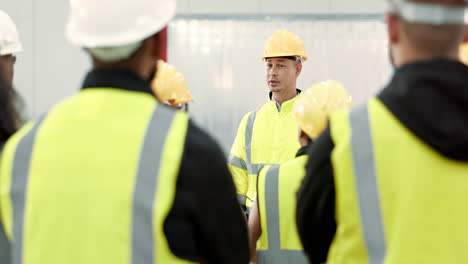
x=9, y=38
x=431, y=12
x=113, y=23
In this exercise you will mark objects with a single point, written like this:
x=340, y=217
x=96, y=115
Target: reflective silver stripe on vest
x=237, y=162
x=275, y=254
x=19, y=184
x=5, y=254
x=366, y=184
x=5, y=247
x=253, y=169
x=248, y=136
x=143, y=243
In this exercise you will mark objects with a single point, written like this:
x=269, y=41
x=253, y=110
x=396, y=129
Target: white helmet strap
x=429, y=13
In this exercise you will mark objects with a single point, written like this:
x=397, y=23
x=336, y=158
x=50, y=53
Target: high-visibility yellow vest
x=93, y=181
x=264, y=137
x=277, y=187
x=397, y=199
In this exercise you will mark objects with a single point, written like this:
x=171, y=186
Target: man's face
x=7, y=64
x=281, y=74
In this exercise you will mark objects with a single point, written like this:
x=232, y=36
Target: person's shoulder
x=248, y=114
x=294, y=169
x=268, y=105
x=246, y=117
x=9, y=146
x=295, y=163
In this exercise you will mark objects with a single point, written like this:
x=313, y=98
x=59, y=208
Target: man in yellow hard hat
x=111, y=175
x=267, y=135
x=10, y=45
x=272, y=223
x=386, y=182
x=170, y=86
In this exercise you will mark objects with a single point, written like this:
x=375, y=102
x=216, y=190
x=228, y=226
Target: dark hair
x=10, y=119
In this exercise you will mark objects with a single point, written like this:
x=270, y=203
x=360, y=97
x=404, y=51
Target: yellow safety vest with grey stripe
x=397, y=199
x=92, y=181
x=277, y=187
x=266, y=136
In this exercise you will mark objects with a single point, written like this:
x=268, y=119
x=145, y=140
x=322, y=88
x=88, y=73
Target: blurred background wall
x=217, y=45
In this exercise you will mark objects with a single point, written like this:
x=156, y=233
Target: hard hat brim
x=11, y=51
x=290, y=57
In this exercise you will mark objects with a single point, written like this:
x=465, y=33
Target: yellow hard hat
x=312, y=109
x=464, y=53
x=284, y=43
x=170, y=86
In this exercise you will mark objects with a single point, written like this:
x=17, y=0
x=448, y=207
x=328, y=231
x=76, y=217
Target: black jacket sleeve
x=316, y=201
x=206, y=219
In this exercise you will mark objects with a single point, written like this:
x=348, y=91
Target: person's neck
x=283, y=96
x=136, y=68
x=412, y=56
x=304, y=142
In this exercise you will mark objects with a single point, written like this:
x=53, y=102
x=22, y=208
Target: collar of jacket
x=304, y=150
x=118, y=79
x=430, y=98
x=287, y=106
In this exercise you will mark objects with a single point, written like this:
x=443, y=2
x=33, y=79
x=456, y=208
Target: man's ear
x=298, y=68
x=303, y=134
x=155, y=45
x=393, y=28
